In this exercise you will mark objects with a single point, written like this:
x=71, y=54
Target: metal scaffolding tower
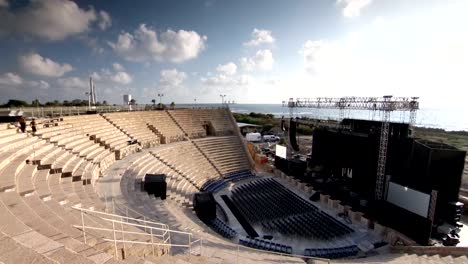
x=385, y=105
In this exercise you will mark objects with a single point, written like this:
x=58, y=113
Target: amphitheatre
x=72, y=193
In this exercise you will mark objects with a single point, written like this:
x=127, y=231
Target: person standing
x=22, y=124
x=33, y=126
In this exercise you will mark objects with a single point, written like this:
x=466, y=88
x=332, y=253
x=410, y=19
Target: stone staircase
x=178, y=125
x=208, y=159
x=112, y=123
x=175, y=169
x=163, y=139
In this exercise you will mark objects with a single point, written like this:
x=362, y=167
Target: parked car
x=270, y=138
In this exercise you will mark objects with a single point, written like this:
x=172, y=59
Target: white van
x=253, y=137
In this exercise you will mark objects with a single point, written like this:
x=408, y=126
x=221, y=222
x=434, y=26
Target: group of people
x=22, y=124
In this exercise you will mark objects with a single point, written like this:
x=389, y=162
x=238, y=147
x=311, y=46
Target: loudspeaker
x=281, y=164
x=315, y=197
x=297, y=167
x=205, y=206
x=156, y=184
x=292, y=135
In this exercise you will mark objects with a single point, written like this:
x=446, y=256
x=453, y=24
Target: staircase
x=178, y=125
x=175, y=169
x=112, y=123
x=162, y=138
x=240, y=137
x=208, y=159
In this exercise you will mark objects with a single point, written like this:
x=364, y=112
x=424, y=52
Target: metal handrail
x=189, y=245
x=112, y=230
x=127, y=209
x=163, y=232
x=146, y=243
x=115, y=215
x=154, y=228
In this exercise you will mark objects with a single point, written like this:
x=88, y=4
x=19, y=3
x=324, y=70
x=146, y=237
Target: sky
x=262, y=51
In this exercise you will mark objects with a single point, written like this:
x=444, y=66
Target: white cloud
x=96, y=76
x=105, y=20
x=10, y=78
x=273, y=82
x=117, y=76
x=227, y=69
x=72, y=83
x=352, y=8
x=171, y=84
x=244, y=80
x=262, y=60
x=36, y=64
x=172, y=78
x=39, y=84
x=4, y=3
x=49, y=19
x=226, y=77
x=260, y=36
x=225, y=81
x=92, y=43
x=313, y=54
x=118, y=67
x=145, y=45
x=121, y=78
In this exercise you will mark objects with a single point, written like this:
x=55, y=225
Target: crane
x=384, y=105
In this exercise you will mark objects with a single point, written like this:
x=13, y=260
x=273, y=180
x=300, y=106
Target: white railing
x=158, y=235
x=128, y=231
x=58, y=111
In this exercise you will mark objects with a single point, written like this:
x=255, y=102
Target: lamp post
x=222, y=98
x=160, y=98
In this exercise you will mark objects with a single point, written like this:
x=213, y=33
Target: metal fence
x=58, y=111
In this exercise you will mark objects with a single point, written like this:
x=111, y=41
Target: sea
x=425, y=117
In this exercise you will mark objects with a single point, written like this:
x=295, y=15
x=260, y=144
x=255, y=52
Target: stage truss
x=384, y=105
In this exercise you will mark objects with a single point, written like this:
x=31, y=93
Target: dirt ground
x=305, y=144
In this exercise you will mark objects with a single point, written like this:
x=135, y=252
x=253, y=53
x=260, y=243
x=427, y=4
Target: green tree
x=15, y=103
x=172, y=105
x=35, y=103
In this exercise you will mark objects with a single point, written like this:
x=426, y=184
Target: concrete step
x=12, y=252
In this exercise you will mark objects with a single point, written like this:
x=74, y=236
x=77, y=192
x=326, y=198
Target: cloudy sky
x=261, y=51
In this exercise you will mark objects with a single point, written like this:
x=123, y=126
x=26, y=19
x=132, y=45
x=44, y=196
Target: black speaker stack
x=292, y=135
x=155, y=184
x=205, y=206
x=297, y=168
